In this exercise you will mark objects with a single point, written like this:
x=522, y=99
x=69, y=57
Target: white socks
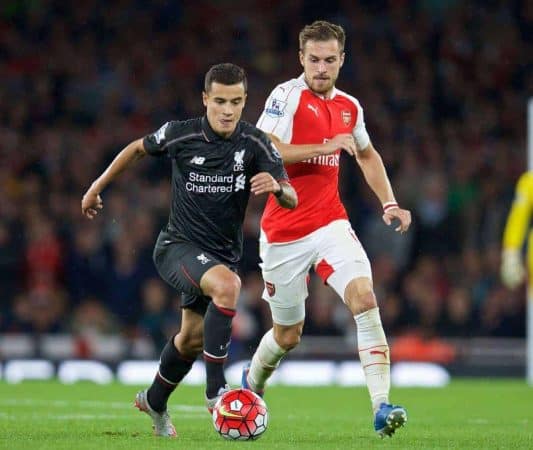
x=266, y=359
x=374, y=355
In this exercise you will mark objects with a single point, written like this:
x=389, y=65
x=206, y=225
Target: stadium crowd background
x=444, y=85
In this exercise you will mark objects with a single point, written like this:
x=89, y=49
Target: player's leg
x=371, y=341
x=176, y=361
x=285, y=271
x=182, y=265
x=274, y=345
x=177, y=358
x=223, y=286
x=374, y=355
x=344, y=265
x=173, y=365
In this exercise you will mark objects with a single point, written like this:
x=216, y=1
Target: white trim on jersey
x=280, y=107
x=180, y=138
x=282, y=103
x=272, y=153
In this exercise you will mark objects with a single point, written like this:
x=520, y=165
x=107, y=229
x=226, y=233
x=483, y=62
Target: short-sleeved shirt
x=297, y=115
x=211, y=180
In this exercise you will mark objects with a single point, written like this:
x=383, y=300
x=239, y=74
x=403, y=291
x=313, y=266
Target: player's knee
x=288, y=337
x=226, y=291
x=365, y=302
x=289, y=341
x=359, y=296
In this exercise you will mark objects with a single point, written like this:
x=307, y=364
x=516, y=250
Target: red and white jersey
x=296, y=115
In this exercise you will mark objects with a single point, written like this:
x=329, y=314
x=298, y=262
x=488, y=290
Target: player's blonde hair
x=321, y=30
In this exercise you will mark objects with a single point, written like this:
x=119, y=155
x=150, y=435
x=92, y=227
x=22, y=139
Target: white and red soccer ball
x=240, y=414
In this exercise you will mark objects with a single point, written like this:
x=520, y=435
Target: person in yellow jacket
x=514, y=235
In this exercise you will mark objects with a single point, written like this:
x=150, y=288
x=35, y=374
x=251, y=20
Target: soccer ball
x=240, y=414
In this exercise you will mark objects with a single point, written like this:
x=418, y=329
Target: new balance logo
x=313, y=108
x=198, y=160
x=203, y=259
x=240, y=182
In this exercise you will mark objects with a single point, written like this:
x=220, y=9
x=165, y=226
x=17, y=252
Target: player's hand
x=402, y=215
x=91, y=203
x=262, y=183
x=512, y=270
x=343, y=141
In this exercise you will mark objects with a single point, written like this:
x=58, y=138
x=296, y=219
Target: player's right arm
x=91, y=201
x=512, y=268
x=295, y=153
x=277, y=120
x=156, y=144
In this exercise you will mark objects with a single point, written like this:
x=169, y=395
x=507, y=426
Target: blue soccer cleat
x=389, y=418
x=244, y=380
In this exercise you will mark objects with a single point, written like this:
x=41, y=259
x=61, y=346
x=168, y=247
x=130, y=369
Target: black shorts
x=182, y=265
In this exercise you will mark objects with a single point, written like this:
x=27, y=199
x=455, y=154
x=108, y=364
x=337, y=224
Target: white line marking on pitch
x=48, y=416
x=91, y=404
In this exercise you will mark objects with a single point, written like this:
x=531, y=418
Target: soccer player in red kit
x=311, y=121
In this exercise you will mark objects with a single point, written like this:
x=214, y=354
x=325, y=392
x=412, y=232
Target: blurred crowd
x=444, y=85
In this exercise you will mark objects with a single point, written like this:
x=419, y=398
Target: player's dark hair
x=321, y=30
x=225, y=73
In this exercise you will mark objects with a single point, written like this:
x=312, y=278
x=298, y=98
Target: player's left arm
x=376, y=176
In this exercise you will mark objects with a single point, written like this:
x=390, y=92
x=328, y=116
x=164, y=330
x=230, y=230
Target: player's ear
x=342, y=59
x=204, y=98
x=301, y=56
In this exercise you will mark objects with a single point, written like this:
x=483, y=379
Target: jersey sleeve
x=158, y=142
x=268, y=158
x=277, y=116
x=519, y=217
x=362, y=139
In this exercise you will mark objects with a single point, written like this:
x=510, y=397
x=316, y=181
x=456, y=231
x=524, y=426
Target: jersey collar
x=211, y=136
x=333, y=92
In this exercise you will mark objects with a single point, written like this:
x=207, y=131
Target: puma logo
x=379, y=352
x=313, y=108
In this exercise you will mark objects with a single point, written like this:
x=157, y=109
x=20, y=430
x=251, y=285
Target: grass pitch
x=473, y=414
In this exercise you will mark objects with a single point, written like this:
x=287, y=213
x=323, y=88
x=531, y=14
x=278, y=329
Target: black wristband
x=280, y=192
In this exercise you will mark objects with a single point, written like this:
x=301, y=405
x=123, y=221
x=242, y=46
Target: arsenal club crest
x=271, y=288
x=346, y=117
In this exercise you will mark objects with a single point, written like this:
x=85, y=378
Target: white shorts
x=333, y=251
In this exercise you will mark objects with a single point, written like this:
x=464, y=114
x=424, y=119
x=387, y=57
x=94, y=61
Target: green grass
x=474, y=414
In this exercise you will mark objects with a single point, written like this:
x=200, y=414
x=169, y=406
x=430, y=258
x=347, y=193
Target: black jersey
x=211, y=180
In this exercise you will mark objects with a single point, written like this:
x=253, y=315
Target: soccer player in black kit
x=217, y=160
